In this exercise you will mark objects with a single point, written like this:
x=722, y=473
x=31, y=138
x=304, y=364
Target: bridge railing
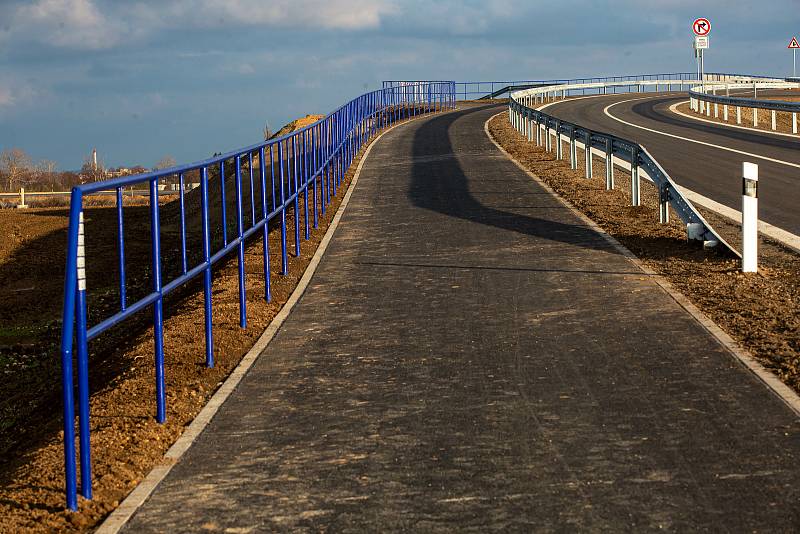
x=289, y=172
x=473, y=90
x=551, y=131
x=702, y=97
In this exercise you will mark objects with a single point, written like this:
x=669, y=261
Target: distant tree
x=16, y=165
x=165, y=163
x=267, y=132
x=43, y=175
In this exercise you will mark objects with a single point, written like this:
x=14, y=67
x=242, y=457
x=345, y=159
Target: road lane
x=710, y=171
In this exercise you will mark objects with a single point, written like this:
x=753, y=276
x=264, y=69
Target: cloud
x=104, y=24
x=327, y=14
x=76, y=24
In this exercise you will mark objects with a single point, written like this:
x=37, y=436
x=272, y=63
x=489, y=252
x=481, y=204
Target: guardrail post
x=749, y=217
x=548, y=142
x=587, y=153
x=609, y=164
x=716, y=110
x=755, y=117
x=529, y=119
x=559, y=152
x=663, y=204
x=725, y=112
x=573, y=151
x=635, y=181
x=22, y=198
x=708, y=109
x=158, y=312
x=774, y=122
x=538, y=130
x=738, y=115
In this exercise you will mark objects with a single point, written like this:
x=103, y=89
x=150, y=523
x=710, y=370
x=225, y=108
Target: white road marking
x=689, y=140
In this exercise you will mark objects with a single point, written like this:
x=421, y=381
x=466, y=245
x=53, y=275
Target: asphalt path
x=471, y=356
x=707, y=170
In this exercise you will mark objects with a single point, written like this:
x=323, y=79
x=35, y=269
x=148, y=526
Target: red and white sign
x=793, y=43
x=701, y=27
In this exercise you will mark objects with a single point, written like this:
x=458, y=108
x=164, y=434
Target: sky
x=144, y=79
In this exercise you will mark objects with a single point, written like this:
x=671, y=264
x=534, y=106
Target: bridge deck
x=471, y=356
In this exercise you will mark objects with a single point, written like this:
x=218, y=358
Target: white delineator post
x=749, y=217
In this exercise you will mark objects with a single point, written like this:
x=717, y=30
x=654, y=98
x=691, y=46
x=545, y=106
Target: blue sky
x=144, y=79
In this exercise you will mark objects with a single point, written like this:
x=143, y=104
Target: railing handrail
x=320, y=152
x=711, y=76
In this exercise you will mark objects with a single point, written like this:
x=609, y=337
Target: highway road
x=702, y=157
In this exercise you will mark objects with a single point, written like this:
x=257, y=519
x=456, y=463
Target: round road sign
x=701, y=27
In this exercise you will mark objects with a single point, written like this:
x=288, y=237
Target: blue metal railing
x=308, y=163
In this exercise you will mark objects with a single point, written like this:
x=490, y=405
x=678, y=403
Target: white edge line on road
x=674, y=108
x=120, y=516
x=690, y=140
x=772, y=382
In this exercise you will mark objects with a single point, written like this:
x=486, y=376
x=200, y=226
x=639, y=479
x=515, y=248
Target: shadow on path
x=441, y=184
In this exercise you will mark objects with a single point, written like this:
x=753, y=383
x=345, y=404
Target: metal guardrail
x=701, y=94
x=615, y=150
x=309, y=161
x=493, y=89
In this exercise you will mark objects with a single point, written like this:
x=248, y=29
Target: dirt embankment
x=759, y=310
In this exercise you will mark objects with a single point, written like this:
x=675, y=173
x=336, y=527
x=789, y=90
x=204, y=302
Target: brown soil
x=760, y=311
x=298, y=124
x=126, y=440
x=783, y=120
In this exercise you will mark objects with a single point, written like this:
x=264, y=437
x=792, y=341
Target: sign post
x=701, y=28
x=794, y=45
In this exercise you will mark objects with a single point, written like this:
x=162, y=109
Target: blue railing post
x=262, y=169
x=181, y=186
x=67, y=329
x=295, y=179
x=284, y=256
x=207, y=270
x=315, y=171
x=223, y=203
x=83, y=366
x=323, y=153
x=158, y=311
x=121, y=251
x=305, y=184
x=252, y=191
x=240, y=244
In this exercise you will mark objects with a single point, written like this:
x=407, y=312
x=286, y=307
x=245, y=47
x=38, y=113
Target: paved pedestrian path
x=471, y=356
